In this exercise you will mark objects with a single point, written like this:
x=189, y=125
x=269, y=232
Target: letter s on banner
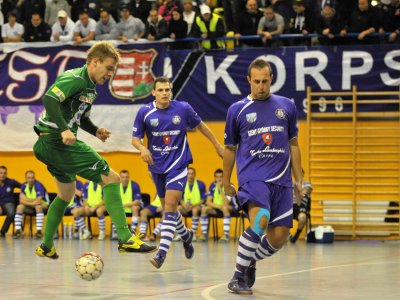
x=21, y=76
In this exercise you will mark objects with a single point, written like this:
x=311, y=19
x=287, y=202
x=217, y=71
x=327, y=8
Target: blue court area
x=342, y=270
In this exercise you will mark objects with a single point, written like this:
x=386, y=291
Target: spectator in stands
x=93, y=204
x=84, y=29
x=248, y=23
x=283, y=8
x=362, y=21
x=177, y=29
x=27, y=7
x=302, y=213
x=217, y=205
x=189, y=15
x=301, y=22
x=165, y=10
x=150, y=210
x=63, y=29
x=131, y=200
x=111, y=6
x=93, y=9
x=12, y=32
x=271, y=24
x=209, y=25
x=232, y=9
x=106, y=27
x=129, y=27
x=8, y=202
x=194, y=196
x=37, y=30
x=327, y=25
x=156, y=26
x=32, y=199
x=52, y=9
x=389, y=18
x=141, y=9
x=316, y=6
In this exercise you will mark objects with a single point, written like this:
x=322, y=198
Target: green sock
x=54, y=217
x=113, y=204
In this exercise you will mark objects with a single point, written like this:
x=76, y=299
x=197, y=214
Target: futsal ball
x=89, y=266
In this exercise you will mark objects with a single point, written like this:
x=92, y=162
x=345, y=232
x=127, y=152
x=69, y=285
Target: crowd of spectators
x=266, y=21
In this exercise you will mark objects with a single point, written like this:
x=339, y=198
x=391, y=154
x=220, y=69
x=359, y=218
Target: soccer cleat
x=135, y=244
x=38, y=235
x=224, y=239
x=102, y=236
x=157, y=261
x=238, y=286
x=188, y=246
x=250, y=274
x=17, y=234
x=43, y=251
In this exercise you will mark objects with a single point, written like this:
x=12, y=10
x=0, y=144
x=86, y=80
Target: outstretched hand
x=103, y=134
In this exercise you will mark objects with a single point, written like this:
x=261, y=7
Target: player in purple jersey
x=261, y=132
x=165, y=123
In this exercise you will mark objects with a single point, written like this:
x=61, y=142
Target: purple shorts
x=173, y=180
x=276, y=198
x=152, y=209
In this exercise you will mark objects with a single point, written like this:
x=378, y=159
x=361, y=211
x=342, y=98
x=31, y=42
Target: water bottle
x=70, y=231
x=65, y=231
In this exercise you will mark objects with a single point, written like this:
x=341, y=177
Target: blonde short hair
x=102, y=50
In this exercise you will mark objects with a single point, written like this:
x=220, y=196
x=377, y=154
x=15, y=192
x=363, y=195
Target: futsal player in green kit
x=67, y=107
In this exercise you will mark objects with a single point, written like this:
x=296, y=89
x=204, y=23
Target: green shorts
x=65, y=162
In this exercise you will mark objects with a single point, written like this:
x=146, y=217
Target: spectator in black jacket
x=301, y=22
x=156, y=26
x=327, y=25
x=141, y=9
x=37, y=30
x=248, y=23
x=177, y=29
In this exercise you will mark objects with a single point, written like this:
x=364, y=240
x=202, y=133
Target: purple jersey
x=7, y=190
x=166, y=133
x=262, y=130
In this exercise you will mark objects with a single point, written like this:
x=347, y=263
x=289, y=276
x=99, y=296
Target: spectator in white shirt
x=63, y=29
x=189, y=15
x=12, y=31
x=53, y=7
x=84, y=29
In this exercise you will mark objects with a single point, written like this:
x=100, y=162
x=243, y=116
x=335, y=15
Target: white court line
x=178, y=271
x=206, y=293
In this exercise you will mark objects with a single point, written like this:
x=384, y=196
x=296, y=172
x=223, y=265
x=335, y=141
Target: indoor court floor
x=342, y=270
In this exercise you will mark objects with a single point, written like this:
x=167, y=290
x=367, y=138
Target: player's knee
x=261, y=221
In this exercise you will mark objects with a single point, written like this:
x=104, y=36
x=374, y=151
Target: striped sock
x=248, y=244
x=80, y=223
x=204, y=225
x=102, y=224
x=18, y=221
x=264, y=249
x=168, y=228
x=195, y=224
x=39, y=221
x=227, y=225
x=181, y=228
x=157, y=230
x=135, y=221
x=143, y=227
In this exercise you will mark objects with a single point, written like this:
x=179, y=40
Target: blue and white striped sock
x=168, y=228
x=248, y=244
x=39, y=221
x=102, y=224
x=143, y=227
x=204, y=225
x=227, y=225
x=264, y=249
x=157, y=230
x=195, y=224
x=181, y=228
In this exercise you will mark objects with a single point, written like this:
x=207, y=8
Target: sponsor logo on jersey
x=267, y=138
x=176, y=120
x=86, y=99
x=154, y=122
x=280, y=113
x=58, y=93
x=167, y=140
x=251, y=118
x=133, y=78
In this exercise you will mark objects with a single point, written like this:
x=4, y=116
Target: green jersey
x=76, y=92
